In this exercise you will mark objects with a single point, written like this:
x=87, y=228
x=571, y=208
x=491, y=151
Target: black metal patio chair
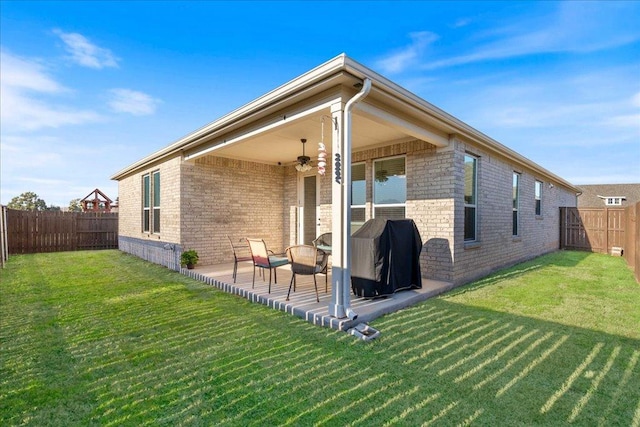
x=307, y=260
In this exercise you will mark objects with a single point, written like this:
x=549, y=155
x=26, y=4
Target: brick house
x=478, y=205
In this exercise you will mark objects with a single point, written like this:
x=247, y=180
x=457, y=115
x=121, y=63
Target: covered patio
x=347, y=108
x=302, y=302
x=328, y=152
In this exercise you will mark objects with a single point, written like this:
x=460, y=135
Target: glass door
x=308, y=209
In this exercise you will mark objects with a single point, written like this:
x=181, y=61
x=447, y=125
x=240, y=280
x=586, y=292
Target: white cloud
x=573, y=27
x=400, y=60
x=85, y=53
x=462, y=22
x=22, y=112
x=28, y=75
x=33, y=151
x=624, y=121
x=132, y=102
x=57, y=168
x=24, y=90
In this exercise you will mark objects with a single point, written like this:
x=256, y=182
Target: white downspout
x=345, y=298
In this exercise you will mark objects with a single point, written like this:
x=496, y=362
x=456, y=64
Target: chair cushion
x=277, y=261
x=325, y=248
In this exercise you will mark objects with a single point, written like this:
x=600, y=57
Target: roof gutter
x=344, y=295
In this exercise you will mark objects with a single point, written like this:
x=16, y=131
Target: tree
x=28, y=201
x=75, y=206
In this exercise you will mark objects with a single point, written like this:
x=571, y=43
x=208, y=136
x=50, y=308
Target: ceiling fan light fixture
x=304, y=160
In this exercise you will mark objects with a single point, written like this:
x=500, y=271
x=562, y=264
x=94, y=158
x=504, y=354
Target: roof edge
x=292, y=86
x=342, y=62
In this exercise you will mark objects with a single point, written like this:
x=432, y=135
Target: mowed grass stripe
x=103, y=338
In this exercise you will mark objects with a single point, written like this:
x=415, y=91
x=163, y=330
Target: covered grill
x=385, y=257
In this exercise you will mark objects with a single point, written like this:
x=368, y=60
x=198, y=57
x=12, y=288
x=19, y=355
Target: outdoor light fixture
x=303, y=161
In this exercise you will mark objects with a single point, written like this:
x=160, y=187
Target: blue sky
x=91, y=87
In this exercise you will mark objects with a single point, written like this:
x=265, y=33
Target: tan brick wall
x=206, y=200
x=430, y=203
x=435, y=201
x=496, y=247
x=223, y=197
x=130, y=203
x=429, y=199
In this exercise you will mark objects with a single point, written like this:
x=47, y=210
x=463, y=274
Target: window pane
x=470, y=180
x=156, y=220
x=145, y=220
x=357, y=218
x=357, y=215
x=538, y=190
x=469, y=223
x=156, y=189
x=358, y=184
x=309, y=211
x=390, y=184
x=516, y=179
x=396, y=212
x=146, y=191
x=516, y=190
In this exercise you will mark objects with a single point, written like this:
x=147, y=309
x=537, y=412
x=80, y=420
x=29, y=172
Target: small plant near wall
x=189, y=258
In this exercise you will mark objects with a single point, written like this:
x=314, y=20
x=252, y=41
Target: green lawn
x=102, y=338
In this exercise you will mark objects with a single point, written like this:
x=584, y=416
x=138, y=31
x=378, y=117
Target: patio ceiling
x=282, y=144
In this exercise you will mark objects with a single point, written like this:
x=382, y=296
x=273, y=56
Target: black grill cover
x=385, y=257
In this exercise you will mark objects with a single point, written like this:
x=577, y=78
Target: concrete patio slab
x=302, y=302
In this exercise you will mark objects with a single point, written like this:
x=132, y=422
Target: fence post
x=4, y=251
x=563, y=228
x=606, y=231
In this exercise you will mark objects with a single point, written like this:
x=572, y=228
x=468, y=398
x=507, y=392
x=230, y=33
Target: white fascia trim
x=282, y=121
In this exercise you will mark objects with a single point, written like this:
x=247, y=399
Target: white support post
x=340, y=306
x=336, y=307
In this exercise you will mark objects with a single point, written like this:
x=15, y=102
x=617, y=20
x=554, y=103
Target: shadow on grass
x=500, y=368
x=155, y=348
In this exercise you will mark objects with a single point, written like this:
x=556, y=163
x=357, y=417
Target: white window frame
x=515, y=226
x=155, y=208
x=354, y=225
x=373, y=185
x=149, y=211
x=613, y=201
x=537, y=195
x=475, y=198
x=146, y=207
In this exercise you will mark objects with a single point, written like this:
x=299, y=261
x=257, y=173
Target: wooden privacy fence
x=34, y=231
x=593, y=229
x=602, y=230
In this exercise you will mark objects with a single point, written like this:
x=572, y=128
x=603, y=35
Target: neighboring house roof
x=308, y=98
x=594, y=196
